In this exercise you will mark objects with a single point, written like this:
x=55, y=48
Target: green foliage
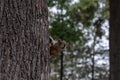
x=83, y=11
x=65, y=31
x=79, y=24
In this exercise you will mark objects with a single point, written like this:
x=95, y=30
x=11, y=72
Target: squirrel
x=56, y=47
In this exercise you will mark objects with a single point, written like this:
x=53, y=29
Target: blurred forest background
x=83, y=24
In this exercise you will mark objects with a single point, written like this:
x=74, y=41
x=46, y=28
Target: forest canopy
x=83, y=24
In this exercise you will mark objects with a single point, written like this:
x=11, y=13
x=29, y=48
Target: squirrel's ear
x=51, y=41
x=59, y=40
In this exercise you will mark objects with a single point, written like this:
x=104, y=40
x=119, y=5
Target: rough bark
x=114, y=39
x=24, y=40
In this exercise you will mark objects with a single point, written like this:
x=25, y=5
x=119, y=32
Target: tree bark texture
x=114, y=39
x=24, y=40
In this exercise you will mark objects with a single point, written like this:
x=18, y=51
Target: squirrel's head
x=61, y=43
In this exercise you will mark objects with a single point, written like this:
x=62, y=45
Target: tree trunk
x=24, y=40
x=114, y=39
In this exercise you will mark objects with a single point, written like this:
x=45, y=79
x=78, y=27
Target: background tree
x=83, y=27
x=114, y=40
x=24, y=40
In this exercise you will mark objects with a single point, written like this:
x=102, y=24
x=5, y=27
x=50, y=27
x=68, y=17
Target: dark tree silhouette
x=114, y=39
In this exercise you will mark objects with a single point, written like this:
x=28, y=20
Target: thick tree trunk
x=24, y=40
x=114, y=39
